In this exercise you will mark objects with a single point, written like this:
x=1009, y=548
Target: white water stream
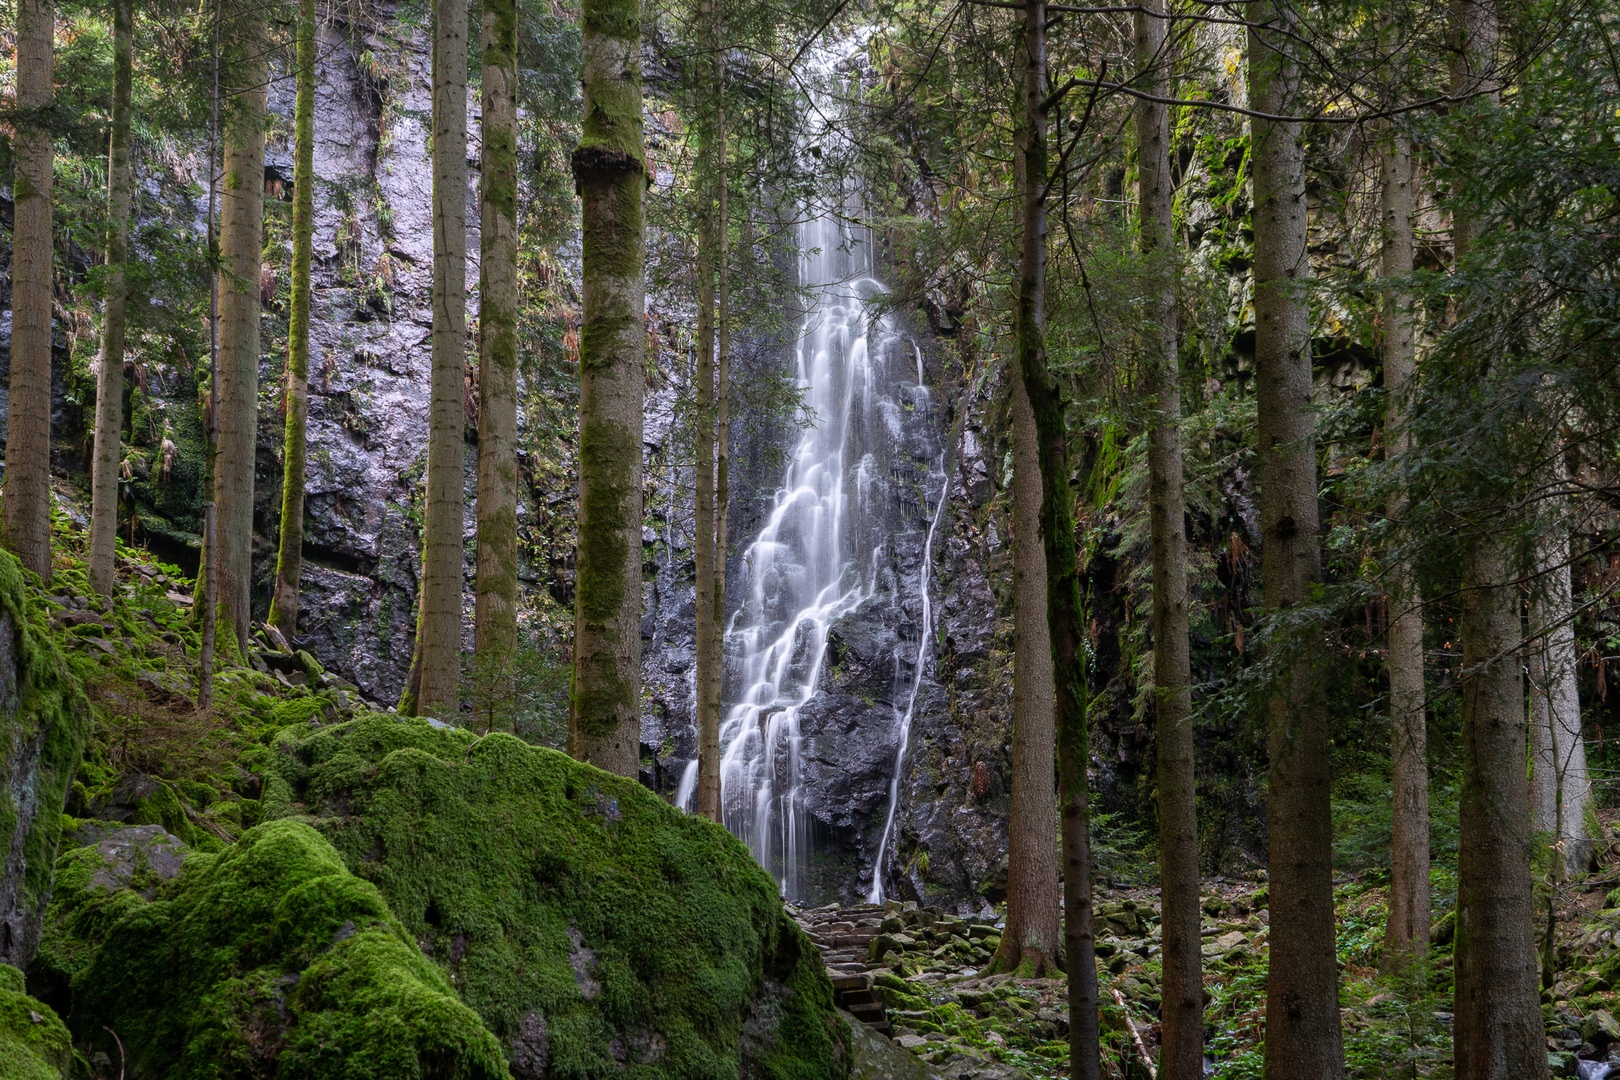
x=819, y=554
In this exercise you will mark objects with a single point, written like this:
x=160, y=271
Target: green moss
x=267, y=959
x=44, y=722
x=34, y=1043
x=646, y=942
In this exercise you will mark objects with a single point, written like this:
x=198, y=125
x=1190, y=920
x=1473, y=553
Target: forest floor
x=925, y=966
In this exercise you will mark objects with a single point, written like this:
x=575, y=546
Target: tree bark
x=290, y=544
x=1497, y=1027
x=495, y=631
x=25, y=507
x=237, y=393
x=1561, y=789
x=722, y=443
x=434, y=682
x=1065, y=614
x=610, y=172
x=1182, y=984
x=1406, y=934
x=110, y=376
x=1031, y=942
x=708, y=709
x=1303, y=1037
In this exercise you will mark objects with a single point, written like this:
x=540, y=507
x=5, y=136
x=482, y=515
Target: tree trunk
x=708, y=709
x=1497, y=1032
x=25, y=508
x=1031, y=942
x=611, y=174
x=290, y=546
x=1182, y=985
x=495, y=610
x=1406, y=934
x=1303, y=1037
x=1497, y=1027
x=722, y=443
x=110, y=377
x=237, y=392
x=1065, y=616
x=1561, y=789
x=435, y=675
x=708, y=644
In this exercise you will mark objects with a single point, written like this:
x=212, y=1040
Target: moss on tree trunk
x=610, y=171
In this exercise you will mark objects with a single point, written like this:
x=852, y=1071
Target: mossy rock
x=267, y=959
x=44, y=722
x=34, y=1043
x=597, y=930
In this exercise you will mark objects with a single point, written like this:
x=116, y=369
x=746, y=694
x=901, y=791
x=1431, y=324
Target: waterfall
x=821, y=551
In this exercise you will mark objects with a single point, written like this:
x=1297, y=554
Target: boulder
x=44, y=721
x=876, y=1057
x=267, y=959
x=34, y=1043
x=592, y=926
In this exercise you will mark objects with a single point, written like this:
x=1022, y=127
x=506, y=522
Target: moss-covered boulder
x=267, y=959
x=44, y=721
x=34, y=1043
x=598, y=931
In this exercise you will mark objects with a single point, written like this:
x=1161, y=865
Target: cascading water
x=821, y=552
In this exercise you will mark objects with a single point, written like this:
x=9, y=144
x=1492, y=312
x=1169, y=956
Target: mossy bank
x=595, y=929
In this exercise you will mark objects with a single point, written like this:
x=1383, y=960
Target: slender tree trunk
x=1406, y=935
x=1031, y=941
x=25, y=508
x=708, y=709
x=722, y=440
x=1561, y=789
x=290, y=547
x=1065, y=615
x=433, y=685
x=208, y=587
x=237, y=392
x=1182, y=985
x=1303, y=1036
x=610, y=171
x=110, y=377
x=495, y=612
x=1497, y=1028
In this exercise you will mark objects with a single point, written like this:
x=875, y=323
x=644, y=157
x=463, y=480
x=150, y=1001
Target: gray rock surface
x=876, y=1057
x=139, y=858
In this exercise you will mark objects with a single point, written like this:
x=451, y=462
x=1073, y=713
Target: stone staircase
x=844, y=936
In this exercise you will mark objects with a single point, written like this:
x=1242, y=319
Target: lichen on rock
x=597, y=930
x=268, y=958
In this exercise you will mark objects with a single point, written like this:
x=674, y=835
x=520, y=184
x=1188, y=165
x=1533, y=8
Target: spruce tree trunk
x=1303, y=1036
x=1561, y=789
x=290, y=544
x=708, y=709
x=1065, y=616
x=25, y=505
x=110, y=377
x=495, y=609
x=1497, y=1029
x=1406, y=934
x=610, y=172
x=1031, y=941
x=1182, y=984
x=434, y=682
x=237, y=393
x=722, y=441
x=1497, y=1032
